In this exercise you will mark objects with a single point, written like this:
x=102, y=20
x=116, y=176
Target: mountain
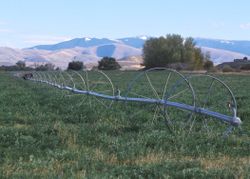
x=61, y=58
x=117, y=50
x=127, y=50
x=77, y=42
x=242, y=47
x=219, y=56
x=136, y=42
x=9, y=56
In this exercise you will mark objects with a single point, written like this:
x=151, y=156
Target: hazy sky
x=25, y=23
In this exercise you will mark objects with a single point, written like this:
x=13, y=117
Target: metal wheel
x=213, y=94
x=56, y=79
x=98, y=82
x=79, y=83
x=36, y=76
x=162, y=84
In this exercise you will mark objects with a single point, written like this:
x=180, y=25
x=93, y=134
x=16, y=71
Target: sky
x=26, y=23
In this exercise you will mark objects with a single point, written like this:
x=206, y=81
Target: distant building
x=241, y=60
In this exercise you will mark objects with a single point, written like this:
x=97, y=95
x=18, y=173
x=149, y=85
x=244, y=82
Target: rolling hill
x=90, y=50
x=220, y=56
x=241, y=47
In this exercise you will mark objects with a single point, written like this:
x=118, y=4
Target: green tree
x=45, y=67
x=188, y=51
x=154, y=52
x=172, y=49
x=108, y=63
x=208, y=65
x=75, y=65
x=20, y=64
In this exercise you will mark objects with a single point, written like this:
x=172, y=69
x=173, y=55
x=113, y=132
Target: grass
x=46, y=133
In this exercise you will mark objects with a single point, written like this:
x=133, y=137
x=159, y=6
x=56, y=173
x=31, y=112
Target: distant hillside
x=61, y=58
x=235, y=65
x=90, y=50
x=77, y=42
x=242, y=47
x=118, y=51
x=220, y=56
x=136, y=42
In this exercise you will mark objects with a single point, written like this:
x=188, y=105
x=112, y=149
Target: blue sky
x=25, y=23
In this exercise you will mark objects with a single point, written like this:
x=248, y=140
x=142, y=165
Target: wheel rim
x=173, y=87
x=213, y=94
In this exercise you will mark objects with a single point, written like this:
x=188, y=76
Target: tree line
x=106, y=63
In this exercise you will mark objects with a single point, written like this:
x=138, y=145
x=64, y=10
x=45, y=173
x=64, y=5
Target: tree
x=188, y=51
x=20, y=64
x=46, y=67
x=154, y=53
x=164, y=51
x=108, y=63
x=208, y=65
x=75, y=65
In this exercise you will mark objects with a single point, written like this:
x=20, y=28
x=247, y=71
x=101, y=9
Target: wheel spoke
x=101, y=102
x=208, y=95
x=165, y=86
x=155, y=112
x=152, y=87
x=177, y=94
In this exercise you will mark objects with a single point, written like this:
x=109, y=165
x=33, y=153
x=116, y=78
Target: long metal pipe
x=233, y=120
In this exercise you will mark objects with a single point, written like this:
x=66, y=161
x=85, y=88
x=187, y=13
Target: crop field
x=49, y=133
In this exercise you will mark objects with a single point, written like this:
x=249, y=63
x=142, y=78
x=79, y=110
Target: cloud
x=245, y=26
x=44, y=39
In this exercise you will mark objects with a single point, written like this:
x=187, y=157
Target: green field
x=48, y=133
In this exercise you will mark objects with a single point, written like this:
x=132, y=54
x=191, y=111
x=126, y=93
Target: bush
x=212, y=70
x=238, y=70
x=178, y=66
x=15, y=68
x=245, y=67
x=75, y=65
x=21, y=64
x=208, y=65
x=108, y=63
x=94, y=68
x=46, y=67
x=227, y=68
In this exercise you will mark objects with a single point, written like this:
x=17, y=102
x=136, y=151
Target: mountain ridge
x=91, y=50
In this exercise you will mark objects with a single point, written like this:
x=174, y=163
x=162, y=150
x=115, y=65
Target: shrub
x=94, y=68
x=245, y=67
x=212, y=70
x=178, y=66
x=21, y=64
x=75, y=65
x=108, y=63
x=46, y=67
x=208, y=64
x=227, y=68
x=237, y=70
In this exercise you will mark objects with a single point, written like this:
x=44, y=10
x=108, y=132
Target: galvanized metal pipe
x=233, y=120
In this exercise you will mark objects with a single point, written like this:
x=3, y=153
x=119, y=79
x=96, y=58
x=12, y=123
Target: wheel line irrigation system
x=70, y=80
